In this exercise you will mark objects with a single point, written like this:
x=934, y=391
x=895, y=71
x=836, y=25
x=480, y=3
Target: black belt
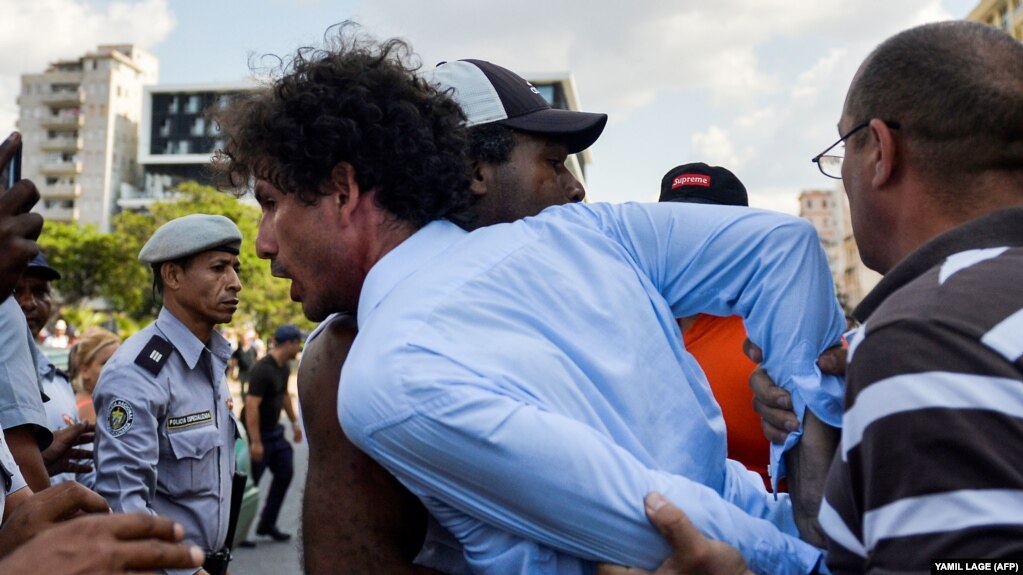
x=216, y=563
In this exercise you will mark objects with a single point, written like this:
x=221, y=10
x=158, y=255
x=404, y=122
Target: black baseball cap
x=699, y=183
x=41, y=268
x=288, y=332
x=489, y=93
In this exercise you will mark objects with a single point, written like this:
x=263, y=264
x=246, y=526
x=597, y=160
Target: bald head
x=954, y=89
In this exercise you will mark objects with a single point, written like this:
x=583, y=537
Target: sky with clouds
x=754, y=85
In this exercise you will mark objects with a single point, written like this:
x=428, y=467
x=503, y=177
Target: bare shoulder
x=320, y=369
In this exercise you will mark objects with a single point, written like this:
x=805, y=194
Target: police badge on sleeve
x=120, y=417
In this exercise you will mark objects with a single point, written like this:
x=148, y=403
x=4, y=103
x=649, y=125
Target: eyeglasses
x=831, y=164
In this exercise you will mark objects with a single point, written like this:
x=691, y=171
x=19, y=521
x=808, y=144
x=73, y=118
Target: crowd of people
x=505, y=379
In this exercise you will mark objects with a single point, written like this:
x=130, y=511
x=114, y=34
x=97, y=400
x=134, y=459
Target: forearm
x=25, y=449
x=289, y=408
x=252, y=420
x=808, y=463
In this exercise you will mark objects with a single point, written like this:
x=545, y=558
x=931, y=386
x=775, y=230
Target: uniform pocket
x=194, y=469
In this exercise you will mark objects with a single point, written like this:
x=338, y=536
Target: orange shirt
x=716, y=342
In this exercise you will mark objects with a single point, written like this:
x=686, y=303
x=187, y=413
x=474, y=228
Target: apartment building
x=828, y=211
x=1006, y=15
x=176, y=139
x=79, y=123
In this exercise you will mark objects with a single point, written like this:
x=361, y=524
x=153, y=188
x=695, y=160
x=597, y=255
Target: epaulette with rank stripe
x=154, y=355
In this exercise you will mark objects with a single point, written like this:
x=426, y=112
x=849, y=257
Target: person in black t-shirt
x=244, y=358
x=268, y=394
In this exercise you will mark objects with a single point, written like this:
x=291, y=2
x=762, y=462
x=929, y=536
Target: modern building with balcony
x=79, y=125
x=176, y=139
x=1006, y=15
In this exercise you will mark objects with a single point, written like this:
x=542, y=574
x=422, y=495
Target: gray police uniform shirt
x=58, y=388
x=10, y=474
x=164, y=433
x=21, y=394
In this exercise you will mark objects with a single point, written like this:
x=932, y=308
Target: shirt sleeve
x=489, y=465
x=21, y=401
x=127, y=446
x=767, y=267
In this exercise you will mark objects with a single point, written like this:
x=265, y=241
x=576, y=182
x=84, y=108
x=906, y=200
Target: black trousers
x=279, y=458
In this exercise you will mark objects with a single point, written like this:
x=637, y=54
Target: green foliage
x=105, y=266
x=92, y=265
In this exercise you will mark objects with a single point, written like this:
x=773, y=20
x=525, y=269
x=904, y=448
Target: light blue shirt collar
x=185, y=341
x=403, y=261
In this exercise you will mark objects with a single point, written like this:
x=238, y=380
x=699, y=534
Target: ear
x=344, y=189
x=887, y=158
x=172, y=275
x=481, y=174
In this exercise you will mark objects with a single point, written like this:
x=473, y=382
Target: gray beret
x=190, y=235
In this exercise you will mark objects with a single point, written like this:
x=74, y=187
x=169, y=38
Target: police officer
x=164, y=431
x=33, y=294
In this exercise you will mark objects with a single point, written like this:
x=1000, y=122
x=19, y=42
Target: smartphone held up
x=12, y=171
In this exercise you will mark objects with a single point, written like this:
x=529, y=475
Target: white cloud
x=35, y=33
x=781, y=199
x=714, y=146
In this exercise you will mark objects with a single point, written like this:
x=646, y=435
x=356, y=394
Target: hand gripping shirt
x=164, y=434
x=529, y=383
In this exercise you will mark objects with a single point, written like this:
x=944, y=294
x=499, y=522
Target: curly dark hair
x=357, y=101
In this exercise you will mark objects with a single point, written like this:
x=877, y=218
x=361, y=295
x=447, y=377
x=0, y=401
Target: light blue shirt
x=62, y=402
x=529, y=383
x=21, y=393
x=165, y=442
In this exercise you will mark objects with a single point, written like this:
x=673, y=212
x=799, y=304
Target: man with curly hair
x=378, y=526
x=519, y=380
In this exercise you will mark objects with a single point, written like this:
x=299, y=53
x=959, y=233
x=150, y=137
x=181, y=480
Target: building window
x=194, y=104
x=183, y=146
x=198, y=126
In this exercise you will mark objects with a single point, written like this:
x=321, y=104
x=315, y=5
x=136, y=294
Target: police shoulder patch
x=154, y=355
x=120, y=417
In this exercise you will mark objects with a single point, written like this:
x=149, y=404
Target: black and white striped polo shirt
x=931, y=459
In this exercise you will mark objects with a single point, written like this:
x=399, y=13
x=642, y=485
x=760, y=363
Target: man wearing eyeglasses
x=928, y=465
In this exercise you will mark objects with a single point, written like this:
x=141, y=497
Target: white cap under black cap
x=189, y=235
x=489, y=93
